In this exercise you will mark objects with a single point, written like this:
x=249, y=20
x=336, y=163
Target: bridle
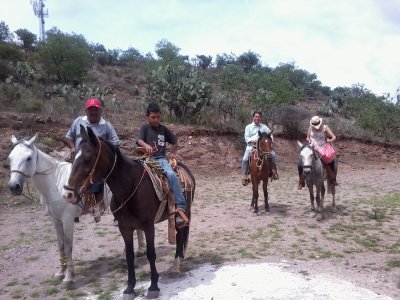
x=260, y=154
x=314, y=155
x=37, y=160
x=89, y=178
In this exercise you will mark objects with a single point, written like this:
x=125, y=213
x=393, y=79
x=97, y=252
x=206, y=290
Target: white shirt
x=251, y=133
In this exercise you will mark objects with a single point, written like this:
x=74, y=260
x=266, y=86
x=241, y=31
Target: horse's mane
x=117, y=151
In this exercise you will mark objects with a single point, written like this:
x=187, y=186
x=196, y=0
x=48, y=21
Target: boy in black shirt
x=153, y=136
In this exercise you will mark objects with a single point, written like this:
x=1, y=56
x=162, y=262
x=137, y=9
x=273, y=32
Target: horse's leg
x=311, y=191
x=60, y=241
x=68, y=229
x=255, y=183
x=320, y=204
x=265, y=189
x=127, y=235
x=182, y=237
x=141, y=243
x=333, y=200
x=153, y=291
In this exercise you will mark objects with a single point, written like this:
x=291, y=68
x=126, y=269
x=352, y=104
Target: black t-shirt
x=158, y=137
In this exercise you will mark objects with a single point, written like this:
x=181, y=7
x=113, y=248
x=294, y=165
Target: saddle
x=163, y=189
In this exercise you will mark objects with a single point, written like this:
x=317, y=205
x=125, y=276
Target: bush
x=8, y=52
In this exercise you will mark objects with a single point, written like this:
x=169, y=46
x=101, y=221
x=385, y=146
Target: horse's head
x=264, y=143
x=307, y=157
x=90, y=165
x=23, y=163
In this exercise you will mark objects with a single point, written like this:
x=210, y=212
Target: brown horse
x=134, y=203
x=260, y=167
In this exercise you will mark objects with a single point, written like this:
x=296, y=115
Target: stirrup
x=185, y=219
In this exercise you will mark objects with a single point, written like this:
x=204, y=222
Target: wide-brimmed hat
x=93, y=102
x=316, y=122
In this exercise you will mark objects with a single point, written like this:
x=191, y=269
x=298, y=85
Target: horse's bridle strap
x=20, y=172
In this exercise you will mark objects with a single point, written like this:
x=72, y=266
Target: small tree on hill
x=26, y=37
x=65, y=57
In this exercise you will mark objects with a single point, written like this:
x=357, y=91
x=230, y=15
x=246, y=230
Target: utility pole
x=41, y=13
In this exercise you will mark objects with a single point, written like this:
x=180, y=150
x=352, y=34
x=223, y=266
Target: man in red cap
x=100, y=127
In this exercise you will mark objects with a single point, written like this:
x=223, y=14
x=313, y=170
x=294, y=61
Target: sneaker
x=76, y=219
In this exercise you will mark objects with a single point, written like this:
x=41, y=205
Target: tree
x=5, y=34
x=65, y=56
x=248, y=60
x=167, y=51
x=224, y=60
x=204, y=61
x=131, y=54
x=26, y=37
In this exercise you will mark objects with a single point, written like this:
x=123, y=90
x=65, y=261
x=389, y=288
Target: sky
x=344, y=42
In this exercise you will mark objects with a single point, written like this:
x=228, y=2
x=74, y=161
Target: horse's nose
x=69, y=196
x=307, y=170
x=15, y=188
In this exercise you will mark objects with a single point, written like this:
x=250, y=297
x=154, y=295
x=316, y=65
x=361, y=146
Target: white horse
x=49, y=177
x=315, y=174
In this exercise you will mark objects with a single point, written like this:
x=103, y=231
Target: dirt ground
x=360, y=243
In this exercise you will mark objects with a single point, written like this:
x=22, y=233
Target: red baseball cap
x=93, y=102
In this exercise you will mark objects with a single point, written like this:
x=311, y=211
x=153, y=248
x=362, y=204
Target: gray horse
x=315, y=174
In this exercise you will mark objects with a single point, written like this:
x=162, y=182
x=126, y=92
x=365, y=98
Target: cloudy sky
x=344, y=42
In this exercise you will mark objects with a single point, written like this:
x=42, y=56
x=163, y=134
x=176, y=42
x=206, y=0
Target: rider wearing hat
x=100, y=127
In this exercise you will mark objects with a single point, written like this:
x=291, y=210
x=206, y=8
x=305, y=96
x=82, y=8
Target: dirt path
x=360, y=243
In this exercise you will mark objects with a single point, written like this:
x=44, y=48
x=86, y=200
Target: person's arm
x=112, y=136
x=308, y=135
x=70, y=144
x=247, y=137
x=173, y=141
x=332, y=136
x=146, y=146
x=173, y=150
x=141, y=140
x=70, y=137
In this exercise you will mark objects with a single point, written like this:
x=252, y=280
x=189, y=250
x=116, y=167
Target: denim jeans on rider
x=173, y=182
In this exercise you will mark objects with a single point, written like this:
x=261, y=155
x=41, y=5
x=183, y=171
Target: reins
x=89, y=178
x=259, y=155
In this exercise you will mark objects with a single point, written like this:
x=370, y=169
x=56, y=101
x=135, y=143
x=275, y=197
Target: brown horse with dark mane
x=261, y=167
x=134, y=203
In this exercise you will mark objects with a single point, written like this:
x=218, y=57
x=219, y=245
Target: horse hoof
x=153, y=294
x=140, y=253
x=128, y=296
x=67, y=284
x=255, y=211
x=334, y=209
x=59, y=276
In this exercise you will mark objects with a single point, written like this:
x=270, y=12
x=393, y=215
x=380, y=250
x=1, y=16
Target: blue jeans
x=173, y=182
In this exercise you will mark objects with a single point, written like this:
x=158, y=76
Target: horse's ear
x=92, y=137
x=14, y=140
x=300, y=144
x=33, y=139
x=83, y=133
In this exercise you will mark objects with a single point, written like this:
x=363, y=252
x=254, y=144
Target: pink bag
x=327, y=153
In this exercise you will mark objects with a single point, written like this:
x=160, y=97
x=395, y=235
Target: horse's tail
x=182, y=235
